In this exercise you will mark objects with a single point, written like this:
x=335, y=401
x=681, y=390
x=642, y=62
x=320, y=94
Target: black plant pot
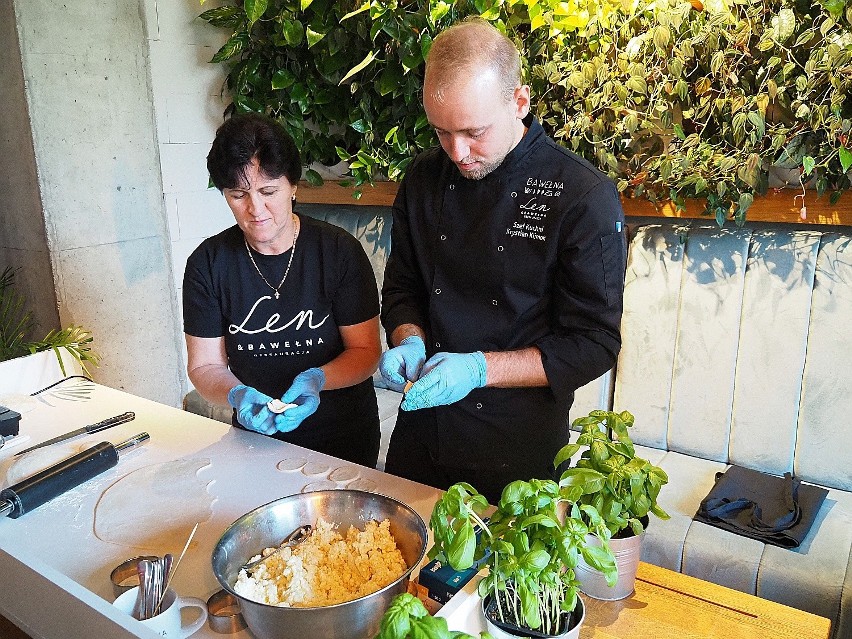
x=570, y=622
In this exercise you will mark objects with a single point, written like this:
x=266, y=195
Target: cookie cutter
x=223, y=613
x=125, y=575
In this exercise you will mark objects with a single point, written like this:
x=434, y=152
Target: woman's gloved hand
x=251, y=408
x=304, y=392
x=447, y=378
x=402, y=363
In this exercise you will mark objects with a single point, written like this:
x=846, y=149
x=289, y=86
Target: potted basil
x=622, y=488
x=407, y=618
x=531, y=543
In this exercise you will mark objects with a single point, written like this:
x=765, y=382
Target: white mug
x=168, y=623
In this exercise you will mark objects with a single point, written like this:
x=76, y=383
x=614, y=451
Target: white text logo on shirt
x=272, y=324
x=301, y=346
x=533, y=211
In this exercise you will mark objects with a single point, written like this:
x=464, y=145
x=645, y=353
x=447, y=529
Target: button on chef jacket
x=530, y=255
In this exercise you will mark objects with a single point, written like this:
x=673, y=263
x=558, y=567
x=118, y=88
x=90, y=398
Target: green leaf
x=282, y=79
x=535, y=560
x=566, y=453
x=232, y=47
x=361, y=9
x=601, y=559
x=313, y=36
x=229, y=17
x=808, y=163
x=461, y=551
x=314, y=178
x=254, y=10
x=293, y=31
x=845, y=159
x=437, y=11
x=359, y=67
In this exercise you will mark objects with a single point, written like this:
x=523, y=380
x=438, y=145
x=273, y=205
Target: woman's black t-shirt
x=268, y=341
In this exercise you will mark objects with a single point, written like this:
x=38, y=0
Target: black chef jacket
x=530, y=255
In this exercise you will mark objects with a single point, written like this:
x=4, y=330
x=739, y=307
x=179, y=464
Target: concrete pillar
x=88, y=92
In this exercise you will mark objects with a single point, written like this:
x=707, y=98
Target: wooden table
x=667, y=604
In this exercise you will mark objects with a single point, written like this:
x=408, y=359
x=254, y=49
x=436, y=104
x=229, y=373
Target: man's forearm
x=406, y=330
x=513, y=369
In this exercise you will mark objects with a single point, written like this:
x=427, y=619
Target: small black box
x=9, y=422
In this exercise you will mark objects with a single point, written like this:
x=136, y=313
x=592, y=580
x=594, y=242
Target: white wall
x=188, y=107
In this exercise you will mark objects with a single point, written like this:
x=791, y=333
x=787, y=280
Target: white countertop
x=55, y=570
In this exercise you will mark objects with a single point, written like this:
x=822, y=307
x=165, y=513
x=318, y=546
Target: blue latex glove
x=304, y=391
x=403, y=363
x=447, y=378
x=251, y=408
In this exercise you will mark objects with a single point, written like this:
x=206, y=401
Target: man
x=506, y=271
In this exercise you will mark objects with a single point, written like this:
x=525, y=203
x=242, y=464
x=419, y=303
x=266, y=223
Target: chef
x=503, y=290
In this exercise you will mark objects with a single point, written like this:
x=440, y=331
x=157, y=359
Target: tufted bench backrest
x=736, y=347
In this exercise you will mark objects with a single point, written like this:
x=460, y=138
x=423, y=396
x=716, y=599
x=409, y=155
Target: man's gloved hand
x=402, y=363
x=304, y=392
x=447, y=378
x=251, y=408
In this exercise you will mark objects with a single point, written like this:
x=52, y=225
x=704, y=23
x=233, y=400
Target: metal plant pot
x=628, y=552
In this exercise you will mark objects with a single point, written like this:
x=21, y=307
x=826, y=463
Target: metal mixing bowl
x=266, y=526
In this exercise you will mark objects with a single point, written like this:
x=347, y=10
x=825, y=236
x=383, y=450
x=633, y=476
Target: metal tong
x=293, y=539
x=153, y=577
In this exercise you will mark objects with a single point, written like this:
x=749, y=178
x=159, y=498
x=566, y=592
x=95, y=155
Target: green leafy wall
x=673, y=99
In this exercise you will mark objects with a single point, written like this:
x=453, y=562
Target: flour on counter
x=139, y=509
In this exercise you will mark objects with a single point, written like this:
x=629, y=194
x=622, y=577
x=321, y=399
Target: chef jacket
x=531, y=255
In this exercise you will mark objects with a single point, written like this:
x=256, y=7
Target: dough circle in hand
x=277, y=406
x=155, y=507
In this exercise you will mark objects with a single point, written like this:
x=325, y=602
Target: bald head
x=469, y=48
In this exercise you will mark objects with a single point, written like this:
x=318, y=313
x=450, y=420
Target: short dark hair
x=244, y=137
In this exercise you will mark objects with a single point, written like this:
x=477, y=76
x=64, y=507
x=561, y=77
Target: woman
x=282, y=306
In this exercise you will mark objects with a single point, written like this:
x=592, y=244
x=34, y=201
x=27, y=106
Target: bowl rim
x=229, y=588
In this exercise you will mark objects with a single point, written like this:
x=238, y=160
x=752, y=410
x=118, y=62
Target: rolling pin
x=58, y=479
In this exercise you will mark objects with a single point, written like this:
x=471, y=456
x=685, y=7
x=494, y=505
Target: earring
x=294, y=197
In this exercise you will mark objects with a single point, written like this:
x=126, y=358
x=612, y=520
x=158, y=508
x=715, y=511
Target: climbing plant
x=674, y=99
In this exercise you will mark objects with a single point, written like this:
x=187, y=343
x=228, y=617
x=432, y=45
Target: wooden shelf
x=775, y=206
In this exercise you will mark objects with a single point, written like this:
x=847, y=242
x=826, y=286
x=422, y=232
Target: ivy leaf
x=314, y=178
x=313, y=36
x=834, y=7
x=305, y=4
x=282, y=79
x=438, y=11
x=294, y=32
x=783, y=25
x=808, y=163
x=359, y=67
x=255, y=9
x=362, y=8
x=228, y=17
x=232, y=47
x=845, y=159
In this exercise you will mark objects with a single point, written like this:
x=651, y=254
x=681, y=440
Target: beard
x=480, y=172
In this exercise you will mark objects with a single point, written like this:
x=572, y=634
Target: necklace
x=289, y=262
